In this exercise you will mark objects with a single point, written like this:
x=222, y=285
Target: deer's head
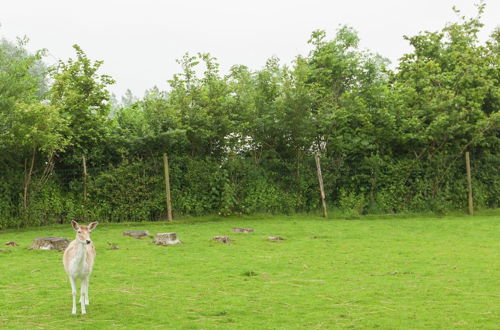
x=83, y=232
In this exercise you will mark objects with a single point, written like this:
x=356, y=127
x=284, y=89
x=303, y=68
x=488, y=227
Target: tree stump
x=50, y=243
x=136, y=233
x=166, y=239
x=222, y=239
x=12, y=243
x=275, y=238
x=243, y=230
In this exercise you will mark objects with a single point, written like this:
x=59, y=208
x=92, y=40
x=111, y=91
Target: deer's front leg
x=82, y=295
x=73, y=293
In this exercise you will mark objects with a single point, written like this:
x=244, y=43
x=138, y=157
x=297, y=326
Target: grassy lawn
x=389, y=273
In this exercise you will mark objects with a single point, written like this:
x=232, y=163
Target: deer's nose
x=88, y=241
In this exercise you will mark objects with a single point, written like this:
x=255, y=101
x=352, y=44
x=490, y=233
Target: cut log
x=50, y=243
x=166, y=239
x=275, y=238
x=243, y=230
x=222, y=239
x=136, y=233
x=12, y=243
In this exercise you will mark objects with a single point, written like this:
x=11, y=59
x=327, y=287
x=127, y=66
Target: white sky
x=139, y=40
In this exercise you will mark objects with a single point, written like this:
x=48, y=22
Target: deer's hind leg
x=86, y=281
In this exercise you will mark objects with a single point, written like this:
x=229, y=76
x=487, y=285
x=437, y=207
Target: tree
x=80, y=92
x=29, y=128
x=202, y=105
x=448, y=90
x=344, y=84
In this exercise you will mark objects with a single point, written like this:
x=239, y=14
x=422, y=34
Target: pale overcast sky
x=139, y=40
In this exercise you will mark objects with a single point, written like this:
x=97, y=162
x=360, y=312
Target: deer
x=78, y=260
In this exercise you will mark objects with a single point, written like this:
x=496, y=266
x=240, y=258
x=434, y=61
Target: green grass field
x=388, y=273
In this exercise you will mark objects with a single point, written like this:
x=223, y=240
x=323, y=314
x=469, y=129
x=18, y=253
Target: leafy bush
x=129, y=192
x=352, y=204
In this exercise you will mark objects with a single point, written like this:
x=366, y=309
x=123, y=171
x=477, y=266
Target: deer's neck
x=79, y=257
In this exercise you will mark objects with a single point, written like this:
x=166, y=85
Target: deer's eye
x=79, y=232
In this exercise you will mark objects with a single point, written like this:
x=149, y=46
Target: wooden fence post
x=167, y=187
x=469, y=183
x=321, y=189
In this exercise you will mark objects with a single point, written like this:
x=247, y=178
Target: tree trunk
x=27, y=180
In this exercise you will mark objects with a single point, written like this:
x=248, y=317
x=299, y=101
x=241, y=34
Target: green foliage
x=129, y=192
x=50, y=204
x=351, y=204
x=390, y=140
x=449, y=88
x=38, y=126
x=81, y=94
x=17, y=81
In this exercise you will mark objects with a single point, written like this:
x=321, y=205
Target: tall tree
x=30, y=130
x=448, y=89
x=80, y=92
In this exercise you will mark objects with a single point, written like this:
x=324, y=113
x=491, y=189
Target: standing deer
x=78, y=261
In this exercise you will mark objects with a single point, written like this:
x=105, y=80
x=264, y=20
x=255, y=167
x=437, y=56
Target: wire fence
x=134, y=189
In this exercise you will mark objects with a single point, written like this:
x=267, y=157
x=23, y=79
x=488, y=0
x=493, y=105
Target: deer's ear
x=93, y=225
x=75, y=225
